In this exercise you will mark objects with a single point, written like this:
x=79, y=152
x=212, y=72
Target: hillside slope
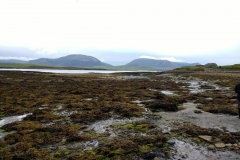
x=153, y=63
x=74, y=60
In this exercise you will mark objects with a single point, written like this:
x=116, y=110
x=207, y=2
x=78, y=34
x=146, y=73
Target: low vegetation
x=35, y=66
x=210, y=67
x=62, y=110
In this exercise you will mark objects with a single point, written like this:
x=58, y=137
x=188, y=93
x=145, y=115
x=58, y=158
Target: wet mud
x=118, y=116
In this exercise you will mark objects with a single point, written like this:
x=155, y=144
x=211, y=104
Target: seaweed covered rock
x=162, y=102
x=162, y=106
x=196, y=131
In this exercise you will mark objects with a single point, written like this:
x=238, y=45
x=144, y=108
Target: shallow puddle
x=104, y=126
x=91, y=144
x=167, y=92
x=7, y=120
x=131, y=77
x=11, y=119
x=195, y=86
x=204, y=119
x=189, y=151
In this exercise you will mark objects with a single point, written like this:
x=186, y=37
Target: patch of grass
x=142, y=126
x=190, y=68
x=155, y=116
x=129, y=126
x=186, y=121
x=145, y=149
x=35, y=66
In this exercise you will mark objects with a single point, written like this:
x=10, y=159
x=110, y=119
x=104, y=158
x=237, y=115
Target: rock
x=233, y=100
x=239, y=144
x=206, y=138
x=209, y=156
x=197, y=111
x=219, y=129
x=217, y=90
x=235, y=145
x=220, y=145
x=217, y=140
x=209, y=99
x=184, y=156
x=43, y=121
x=229, y=145
x=211, y=147
x=171, y=142
x=45, y=105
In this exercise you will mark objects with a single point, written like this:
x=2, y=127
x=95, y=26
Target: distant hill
x=153, y=63
x=13, y=61
x=74, y=60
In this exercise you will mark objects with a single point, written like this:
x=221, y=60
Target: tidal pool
x=11, y=119
x=7, y=120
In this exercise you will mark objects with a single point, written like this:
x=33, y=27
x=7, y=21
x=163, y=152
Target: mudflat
x=138, y=115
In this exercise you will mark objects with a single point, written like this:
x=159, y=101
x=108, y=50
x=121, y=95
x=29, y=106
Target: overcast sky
x=117, y=31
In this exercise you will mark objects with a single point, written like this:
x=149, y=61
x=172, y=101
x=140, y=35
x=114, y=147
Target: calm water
x=65, y=71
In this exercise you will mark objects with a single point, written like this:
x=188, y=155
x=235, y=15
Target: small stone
x=209, y=99
x=216, y=140
x=206, y=138
x=197, y=111
x=229, y=145
x=235, y=145
x=211, y=147
x=220, y=145
x=219, y=129
x=171, y=142
x=166, y=131
x=209, y=156
x=43, y=121
x=184, y=156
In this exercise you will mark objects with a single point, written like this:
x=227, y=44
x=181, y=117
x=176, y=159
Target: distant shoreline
x=69, y=71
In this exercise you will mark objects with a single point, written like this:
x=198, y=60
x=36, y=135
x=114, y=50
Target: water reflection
x=65, y=71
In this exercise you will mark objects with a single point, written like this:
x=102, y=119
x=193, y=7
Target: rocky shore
x=190, y=115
